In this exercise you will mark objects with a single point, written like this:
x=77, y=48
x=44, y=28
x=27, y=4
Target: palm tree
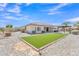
x=65, y=25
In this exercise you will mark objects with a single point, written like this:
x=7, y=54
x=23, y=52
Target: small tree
x=9, y=26
x=65, y=25
x=8, y=30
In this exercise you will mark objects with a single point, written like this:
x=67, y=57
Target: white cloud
x=3, y=15
x=3, y=4
x=73, y=19
x=54, y=10
x=28, y=4
x=16, y=9
x=56, y=24
x=24, y=17
x=9, y=17
x=6, y=14
x=19, y=14
x=3, y=21
x=59, y=6
x=1, y=9
x=52, y=13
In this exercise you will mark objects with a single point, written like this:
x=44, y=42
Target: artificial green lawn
x=39, y=41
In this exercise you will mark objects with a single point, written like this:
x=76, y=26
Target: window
x=38, y=28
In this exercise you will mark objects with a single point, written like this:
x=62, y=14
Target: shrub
x=76, y=32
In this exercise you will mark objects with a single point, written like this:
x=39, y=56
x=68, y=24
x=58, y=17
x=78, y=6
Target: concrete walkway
x=68, y=46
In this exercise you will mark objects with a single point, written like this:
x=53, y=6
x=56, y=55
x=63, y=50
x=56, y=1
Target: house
x=40, y=28
x=66, y=28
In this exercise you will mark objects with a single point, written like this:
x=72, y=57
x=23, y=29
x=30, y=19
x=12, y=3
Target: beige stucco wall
x=42, y=28
x=30, y=27
x=34, y=28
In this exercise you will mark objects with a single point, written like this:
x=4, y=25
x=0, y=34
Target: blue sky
x=23, y=13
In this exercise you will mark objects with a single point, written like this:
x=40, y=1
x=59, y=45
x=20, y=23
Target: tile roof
x=40, y=24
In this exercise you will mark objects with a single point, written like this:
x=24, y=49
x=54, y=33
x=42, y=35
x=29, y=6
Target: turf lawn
x=39, y=41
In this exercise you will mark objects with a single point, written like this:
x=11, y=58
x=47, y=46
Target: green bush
x=76, y=32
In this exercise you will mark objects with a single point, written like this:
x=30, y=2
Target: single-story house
x=40, y=28
x=62, y=28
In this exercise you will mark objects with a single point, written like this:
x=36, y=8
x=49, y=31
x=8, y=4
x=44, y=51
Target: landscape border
x=39, y=49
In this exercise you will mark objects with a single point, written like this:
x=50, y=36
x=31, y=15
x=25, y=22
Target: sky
x=21, y=14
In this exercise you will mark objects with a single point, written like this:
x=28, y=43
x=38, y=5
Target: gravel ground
x=68, y=46
x=13, y=46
